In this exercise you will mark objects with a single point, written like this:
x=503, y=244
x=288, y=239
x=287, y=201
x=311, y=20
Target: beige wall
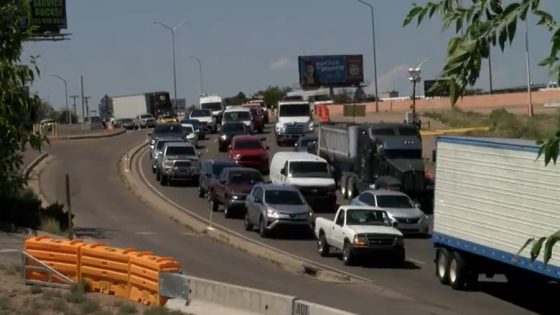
x=466, y=103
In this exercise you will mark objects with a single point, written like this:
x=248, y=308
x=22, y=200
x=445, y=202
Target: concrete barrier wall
x=302, y=307
x=241, y=298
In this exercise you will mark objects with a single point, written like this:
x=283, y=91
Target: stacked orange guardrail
x=126, y=273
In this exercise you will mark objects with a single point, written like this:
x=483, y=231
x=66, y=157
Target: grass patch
x=89, y=306
x=60, y=305
x=50, y=225
x=158, y=310
x=77, y=293
x=457, y=118
x=5, y=303
x=35, y=289
x=126, y=308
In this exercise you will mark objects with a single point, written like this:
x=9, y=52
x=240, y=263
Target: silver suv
x=178, y=161
x=158, y=146
x=146, y=121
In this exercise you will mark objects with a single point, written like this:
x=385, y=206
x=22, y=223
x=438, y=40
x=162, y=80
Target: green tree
x=343, y=97
x=480, y=25
x=273, y=94
x=238, y=99
x=18, y=110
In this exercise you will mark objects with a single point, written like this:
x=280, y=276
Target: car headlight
x=271, y=213
x=223, y=137
x=400, y=241
x=360, y=240
x=311, y=126
x=279, y=127
x=237, y=156
x=152, y=141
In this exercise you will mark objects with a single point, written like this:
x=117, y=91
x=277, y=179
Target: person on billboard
x=309, y=76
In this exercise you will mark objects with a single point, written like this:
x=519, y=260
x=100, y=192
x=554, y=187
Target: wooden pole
x=69, y=205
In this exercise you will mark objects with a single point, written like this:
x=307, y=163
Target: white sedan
x=191, y=135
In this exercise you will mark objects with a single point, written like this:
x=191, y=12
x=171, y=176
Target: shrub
x=77, y=293
x=90, y=306
x=126, y=308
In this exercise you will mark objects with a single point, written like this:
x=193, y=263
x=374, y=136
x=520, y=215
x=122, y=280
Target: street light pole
x=415, y=77
x=374, y=53
x=172, y=30
x=200, y=68
x=74, y=97
x=65, y=97
x=529, y=92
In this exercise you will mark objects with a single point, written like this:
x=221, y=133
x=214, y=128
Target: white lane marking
x=189, y=234
x=416, y=261
x=2, y=251
x=145, y=233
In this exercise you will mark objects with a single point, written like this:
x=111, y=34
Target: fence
x=126, y=273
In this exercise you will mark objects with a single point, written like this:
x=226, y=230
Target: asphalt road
x=107, y=212
x=416, y=280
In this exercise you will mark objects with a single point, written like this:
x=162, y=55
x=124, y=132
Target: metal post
x=86, y=98
x=414, y=100
x=69, y=204
x=83, y=105
x=66, y=96
x=74, y=97
x=210, y=227
x=490, y=71
x=374, y=53
x=200, y=70
x=529, y=92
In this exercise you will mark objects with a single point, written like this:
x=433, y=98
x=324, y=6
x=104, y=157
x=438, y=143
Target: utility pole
x=74, y=97
x=374, y=53
x=83, y=105
x=86, y=98
x=527, y=60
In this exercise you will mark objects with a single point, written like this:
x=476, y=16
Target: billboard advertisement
x=331, y=71
x=441, y=91
x=46, y=16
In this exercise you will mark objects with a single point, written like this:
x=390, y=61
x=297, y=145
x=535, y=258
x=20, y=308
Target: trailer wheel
x=343, y=182
x=458, y=272
x=351, y=187
x=442, y=265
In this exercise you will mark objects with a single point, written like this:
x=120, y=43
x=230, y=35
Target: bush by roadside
x=502, y=123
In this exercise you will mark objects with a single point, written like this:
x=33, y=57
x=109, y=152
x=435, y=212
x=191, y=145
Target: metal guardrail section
x=43, y=268
x=174, y=286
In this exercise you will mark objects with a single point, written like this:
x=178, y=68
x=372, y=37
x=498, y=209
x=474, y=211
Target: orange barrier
x=61, y=255
x=144, y=277
x=323, y=113
x=122, y=272
x=106, y=269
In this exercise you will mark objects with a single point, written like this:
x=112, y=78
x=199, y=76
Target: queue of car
x=300, y=184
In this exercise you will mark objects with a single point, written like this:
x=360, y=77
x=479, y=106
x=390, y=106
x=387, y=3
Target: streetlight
x=66, y=96
x=374, y=54
x=200, y=69
x=415, y=77
x=529, y=92
x=172, y=30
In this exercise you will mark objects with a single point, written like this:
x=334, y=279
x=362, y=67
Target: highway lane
x=415, y=280
x=107, y=212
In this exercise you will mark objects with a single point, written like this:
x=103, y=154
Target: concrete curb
x=29, y=167
x=285, y=260
x=88, y=136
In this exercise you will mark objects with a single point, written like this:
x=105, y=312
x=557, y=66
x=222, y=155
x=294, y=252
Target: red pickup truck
x=232, y=188
x=248, y=151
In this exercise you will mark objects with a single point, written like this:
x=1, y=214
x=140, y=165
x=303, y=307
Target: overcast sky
x=246, y=45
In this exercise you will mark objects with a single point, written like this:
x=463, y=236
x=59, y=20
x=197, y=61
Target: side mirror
x=283, y=171
x=417, y=205
x=395, y=224
x=258, y=200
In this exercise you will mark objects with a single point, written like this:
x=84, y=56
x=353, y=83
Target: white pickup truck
x=359, y=231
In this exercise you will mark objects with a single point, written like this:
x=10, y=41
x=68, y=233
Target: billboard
x=331, y=71
x=46, y=16
x=441, y=91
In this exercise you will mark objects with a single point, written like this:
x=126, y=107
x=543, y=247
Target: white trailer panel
x=129, y=106
x=492, y=195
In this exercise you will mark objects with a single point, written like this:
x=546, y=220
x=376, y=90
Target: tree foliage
x=238, y=99
x=18, y=110
x=478, y=26
x=273, y=94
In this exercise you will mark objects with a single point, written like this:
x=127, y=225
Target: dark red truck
x=232, y=188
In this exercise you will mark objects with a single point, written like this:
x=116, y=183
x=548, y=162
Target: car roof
x=278, y=187
x=384, y=192
x=179, y=144
x=360, y=208
x=245, y=138
x=167, y=139
x=237, y=109
x=299, y=156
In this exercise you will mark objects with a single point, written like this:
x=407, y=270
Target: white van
x=213, y=103
x=238, y=114
x=310, y=174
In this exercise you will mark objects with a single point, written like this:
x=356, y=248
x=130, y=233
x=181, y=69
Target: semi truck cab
x=294, y=121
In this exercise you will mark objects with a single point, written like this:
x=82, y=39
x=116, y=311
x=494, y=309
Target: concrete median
x=240, y=298
x=302, y=307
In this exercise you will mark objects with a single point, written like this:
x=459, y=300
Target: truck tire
x=442, y=265
x=347, y=256
x=201, y=192
x=458, y=271
x=343, y=185
x=158, y=175
x=322, y=246
x=164, y=180
x=351, y=187
x=214, y=205
x=400, y=257
x=227, y=212
x=247, y=223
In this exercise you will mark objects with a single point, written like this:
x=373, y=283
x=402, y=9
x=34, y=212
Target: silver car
x=400, y=208
x=273, y=206
x=158, y=146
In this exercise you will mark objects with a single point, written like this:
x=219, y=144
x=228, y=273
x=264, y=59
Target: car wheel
x=351, y=188
x=400, y=256
x=158, y=175
x=322, y=246
x=201, y=192
x=214, y=205
x=343, y=185
x=442, y=265
x=458, y=272
x=247, y=223
x=262, y=228
x=347, y=256
x=164, y=180
x=227, y=212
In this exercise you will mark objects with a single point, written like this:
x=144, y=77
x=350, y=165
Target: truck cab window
x=340, y=218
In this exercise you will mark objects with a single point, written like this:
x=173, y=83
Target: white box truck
x=131, y=106
x=491, y=196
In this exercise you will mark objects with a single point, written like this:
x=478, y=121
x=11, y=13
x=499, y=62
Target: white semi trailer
x=491, y=196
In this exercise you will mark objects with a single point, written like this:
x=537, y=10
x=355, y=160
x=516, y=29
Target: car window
x=284, y=197
x=233, y=127
x=366, y=217
x=367, y=198
x=180, y=150
x=257, y=193
x=237, y=116
x=392, y=201
x=340, y=218
x=244, y=178
x=247, y=144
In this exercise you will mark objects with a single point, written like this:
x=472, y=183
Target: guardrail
x=127, y=273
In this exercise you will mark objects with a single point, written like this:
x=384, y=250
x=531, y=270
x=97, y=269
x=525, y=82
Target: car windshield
x=245, y=178
x=212, y=106
x=180, y=150
x=146, y=116
x=160, y=144
x=201, y=113
x=163, y=128
x=237, y=116
x=254, y=111
x=283, y=197
x=248, y=144
x=366, y=217
x=218, y=168
x=408, y=131
x=401, y=202
x=126, y=120
x=403, y=154
x=294, y=110
x=233, y=127
x=309, y=169
x=188, y=129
